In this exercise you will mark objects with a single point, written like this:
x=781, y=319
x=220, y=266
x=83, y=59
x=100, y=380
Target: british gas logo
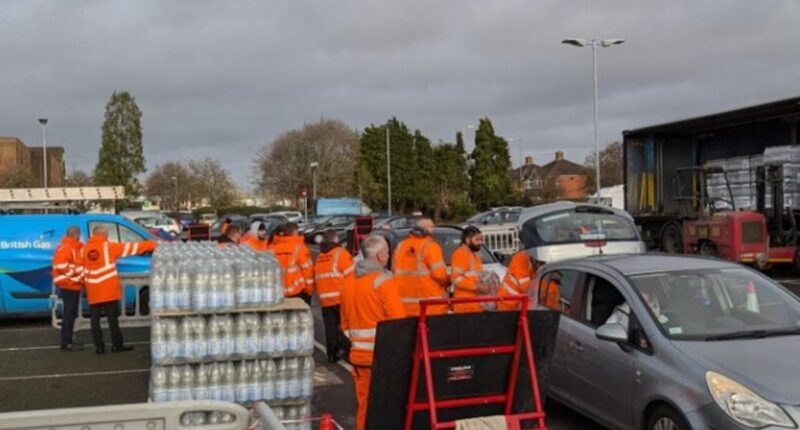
x=25, y=244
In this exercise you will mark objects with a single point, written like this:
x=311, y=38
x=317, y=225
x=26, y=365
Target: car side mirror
x=612, y=332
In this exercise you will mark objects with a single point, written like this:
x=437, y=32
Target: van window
x=113, y=233
x=117, y=233
x=128, y=235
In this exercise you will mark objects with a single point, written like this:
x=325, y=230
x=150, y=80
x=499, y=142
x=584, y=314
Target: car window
x=128, y=235
x=577, y=226
x=603, y=303
x=556, y=290
x=113, y=233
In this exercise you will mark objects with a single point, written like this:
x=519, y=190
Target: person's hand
x=483, y=289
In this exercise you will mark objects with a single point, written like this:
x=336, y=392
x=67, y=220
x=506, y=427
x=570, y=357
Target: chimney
x=528, y=160
x=559, y=155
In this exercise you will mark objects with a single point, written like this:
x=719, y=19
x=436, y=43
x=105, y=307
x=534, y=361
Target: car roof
x=637, y=264
x=537, y=211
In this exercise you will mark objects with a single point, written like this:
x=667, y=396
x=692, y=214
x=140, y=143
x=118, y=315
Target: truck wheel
x=672, y=239
x=708, y=249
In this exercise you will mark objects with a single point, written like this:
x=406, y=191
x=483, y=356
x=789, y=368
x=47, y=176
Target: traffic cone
x=752, y=299
x=326, y=422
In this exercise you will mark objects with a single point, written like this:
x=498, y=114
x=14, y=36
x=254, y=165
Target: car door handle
x=576, y=346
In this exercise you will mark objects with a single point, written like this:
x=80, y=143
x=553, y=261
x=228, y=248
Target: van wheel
x=666, y=418
x=672, y=239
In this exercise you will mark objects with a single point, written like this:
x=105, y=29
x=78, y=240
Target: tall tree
x=490, y=162
x=171, y=183
x=211, y=183
x=121, y=156
x=450, y=184
x=284, y=167
x=611, y=167
x=424, y=178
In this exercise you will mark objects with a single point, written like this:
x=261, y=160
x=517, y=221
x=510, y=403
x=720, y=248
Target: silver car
x=562, y=230
x=666, y=342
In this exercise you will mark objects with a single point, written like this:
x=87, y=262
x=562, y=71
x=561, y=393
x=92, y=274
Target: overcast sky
x=224, y=78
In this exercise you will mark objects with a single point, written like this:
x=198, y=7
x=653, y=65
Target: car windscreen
x=718, y=304
x=578, y=225
x=451, y=241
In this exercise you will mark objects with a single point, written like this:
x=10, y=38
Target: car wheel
x=666, y=418
x=318, y=238
x=672, y=239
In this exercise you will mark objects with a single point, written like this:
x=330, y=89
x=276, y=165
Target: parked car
x=672, y=342
x=240, y=221
x=562, y=230
x=271, y=217
x=449, y=237
x=159, y=221
x=393, y=222
x=316, y=226
x=494, y=217
x=208, y=218
x=186, y=219
x=291, y=216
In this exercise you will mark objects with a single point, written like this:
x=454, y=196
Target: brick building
x=560, y=179
x=24, y=163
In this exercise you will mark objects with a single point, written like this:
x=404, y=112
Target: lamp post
x=43, y=122
x=594, y=43
x=388, y=171
x=314, y=168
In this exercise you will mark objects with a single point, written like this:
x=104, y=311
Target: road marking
x=74, y=375
x=345, y=365
x=38, y=348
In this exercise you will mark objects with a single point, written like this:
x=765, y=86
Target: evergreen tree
x=121, y=156
x=490, y=184
x=425, y=168
x=451, y=201
x=371, y=166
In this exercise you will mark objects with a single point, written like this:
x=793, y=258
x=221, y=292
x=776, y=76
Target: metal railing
x=136, y=314
x=502, y=240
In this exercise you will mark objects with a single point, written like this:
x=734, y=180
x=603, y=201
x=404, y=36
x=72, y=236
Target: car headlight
x=745, y=406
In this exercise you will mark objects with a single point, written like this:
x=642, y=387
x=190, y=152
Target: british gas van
x=27, y=244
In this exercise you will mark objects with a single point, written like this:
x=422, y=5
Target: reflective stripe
x=60, y=278
x=306, y=265
x=135, y=248
x=364, y=332
x=292, y=269
x=349, y=270
x=102, y=278
x=458, y=270
x=510, y=290
x=309, y=281
x=336, y=261
x=370, y=346
x=329, y=295
x=437, y=265
x=419, y=299
x=126, y=250
x=61, y=266
x=458, y=279
x=524, y=280
x=403, y=272
x=381, y=279
x=328, y=275
x=105, y=253
x=99, y=271
x=471, y=273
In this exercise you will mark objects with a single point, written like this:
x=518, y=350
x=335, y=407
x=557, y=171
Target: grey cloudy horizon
x=224, y=79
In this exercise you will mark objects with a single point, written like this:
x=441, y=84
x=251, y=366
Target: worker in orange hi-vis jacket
x=520, y=274
x=295, y=259
x=256, y=238
x=371, y=298
x=68, y=277
x=333, y=271
x=420, y=269
x=465, y=270
x=103, y=289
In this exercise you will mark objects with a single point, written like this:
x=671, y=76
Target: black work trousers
x=305, y=297
x=112, y=312
x=335, y=342
x=72, y=302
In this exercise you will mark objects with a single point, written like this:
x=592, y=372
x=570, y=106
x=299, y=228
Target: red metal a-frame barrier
x=423, y=356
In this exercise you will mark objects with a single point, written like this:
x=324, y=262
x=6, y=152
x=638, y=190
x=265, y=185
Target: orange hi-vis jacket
x=99, y=258
x=517, y=280
x=371, y=298
x=465, y=271
x=421, y=273
x=67, y=267
x=295, y=259
x=332, y=271
x=255, y=243
x=550, y=294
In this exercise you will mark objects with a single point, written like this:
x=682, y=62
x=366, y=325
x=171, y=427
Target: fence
x=136, y=314
x=501, y=240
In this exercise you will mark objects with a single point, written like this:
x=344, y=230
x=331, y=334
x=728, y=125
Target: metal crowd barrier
x=136, y=314
x=502, y=240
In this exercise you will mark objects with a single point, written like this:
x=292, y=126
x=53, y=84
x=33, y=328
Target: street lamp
x=43, y=122
x=315, y=167
x=594, y=43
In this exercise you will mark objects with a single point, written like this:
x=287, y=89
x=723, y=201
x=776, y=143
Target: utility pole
x=388, y=170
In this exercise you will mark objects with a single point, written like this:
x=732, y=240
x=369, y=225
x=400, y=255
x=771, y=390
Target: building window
x=528, y=184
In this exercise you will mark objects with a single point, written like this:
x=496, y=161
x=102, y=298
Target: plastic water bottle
x=291, y=414
x=157, y=288
x=187, y=346
x=201, y=383
x=293, y=332
x=293, y=376
x=242, y=381
x=170, y=290
x=228, y=291
x=183, y=299
x=175, y=383
x=279, y=326
x=306, y=332
x=172, y=340
x=200, y=292
x=307, y=381
x=241, y=335
x=242, y=286
x=281, y=381
x=215, y=381
x=214, y=331
x=256, y=379
x=158, y=341
x=253, y=335
x=228, y=333
x=228, y=382
x=267, y=283
x=214, y=285
x=159, y=385
x=200, y=337
x=187, y=387
x=267, y=337
x=268, y=377
x=256, y=294
x=303, y=412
